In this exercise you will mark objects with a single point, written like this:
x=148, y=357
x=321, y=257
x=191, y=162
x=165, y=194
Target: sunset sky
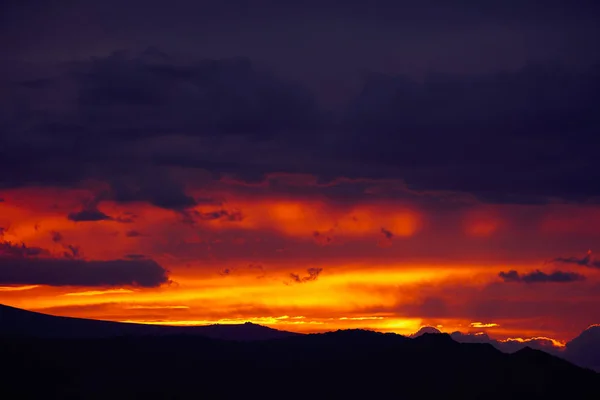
x=361, y=164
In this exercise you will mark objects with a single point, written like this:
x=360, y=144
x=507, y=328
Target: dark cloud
x=133, y=233
x=223, y=215
x=23, y=265
x=313, y=275
x=387, y=238
x=253, y=268
x=17, y=269
x=89, y=215
x=476, y=122
x=538, y=276
x=112, y=115
x=387, y=234
x=9, y=249
x=428, y=307
x=322, y=239
x=379, y=34
x=510, y=276
x=142, y=122
x=127, y=218
x=209, y=97
x=585, y=261
x=72, y=251
x=35, y=83
x=343, y=192
x=209, y=201
x=158, y=187
x=56, y=236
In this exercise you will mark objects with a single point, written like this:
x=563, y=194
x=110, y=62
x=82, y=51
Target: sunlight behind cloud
x=99, y=292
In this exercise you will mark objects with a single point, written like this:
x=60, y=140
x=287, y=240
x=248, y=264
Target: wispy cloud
x=313, y=275
x=585, y=261
x=538, y=276
x=482, y=325
x=99, y=292
x=142, y=307
x=17, y=288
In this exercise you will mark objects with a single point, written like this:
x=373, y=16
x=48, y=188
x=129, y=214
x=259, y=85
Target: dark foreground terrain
x=343, y=364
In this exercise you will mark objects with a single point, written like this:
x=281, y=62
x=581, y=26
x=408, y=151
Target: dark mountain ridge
x=341, y=364
x=584, y=350
x=18, y=322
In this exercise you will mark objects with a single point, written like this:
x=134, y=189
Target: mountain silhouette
x=584, y=350
x=18, y=322
x=425, y=329
x=334, y=365
x=508, y=346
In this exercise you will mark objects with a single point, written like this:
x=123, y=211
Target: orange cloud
x=481, y=223
x=433, y=271
x=17, y=288
x=302, y=219
x=99, y=292
x=553, y=342
x=482, y=325
x=571, y=219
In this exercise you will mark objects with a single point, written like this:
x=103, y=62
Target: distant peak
x=530, y=352
x=435, y=339
x=527, y=349
x=425, y=329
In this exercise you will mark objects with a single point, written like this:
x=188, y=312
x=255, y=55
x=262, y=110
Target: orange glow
x=482, y=228
x=17, y=288
x=482, y=325
x=570, y=219
x=98, y=292
x=304, y=218
x=556, y=343
x=480, y=223
x=150, y=307
x=247, y=259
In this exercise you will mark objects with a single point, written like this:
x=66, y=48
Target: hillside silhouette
x=585, y=348
x=18, y=322
x=334, y=365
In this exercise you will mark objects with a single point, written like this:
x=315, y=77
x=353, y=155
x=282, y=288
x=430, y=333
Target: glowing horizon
x=390, y=266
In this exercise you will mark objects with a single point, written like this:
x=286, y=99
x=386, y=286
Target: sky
x=309, y=166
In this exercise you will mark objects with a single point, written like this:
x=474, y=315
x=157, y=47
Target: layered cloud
x=403, y=209
x=538, y=276
x=135, y=120
x=511, y=345
x=21, y=265
x=313, y=275
x=88, y=215
x=585, y=261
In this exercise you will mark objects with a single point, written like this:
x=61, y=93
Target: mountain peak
x=585, y=349
x=425, y=329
